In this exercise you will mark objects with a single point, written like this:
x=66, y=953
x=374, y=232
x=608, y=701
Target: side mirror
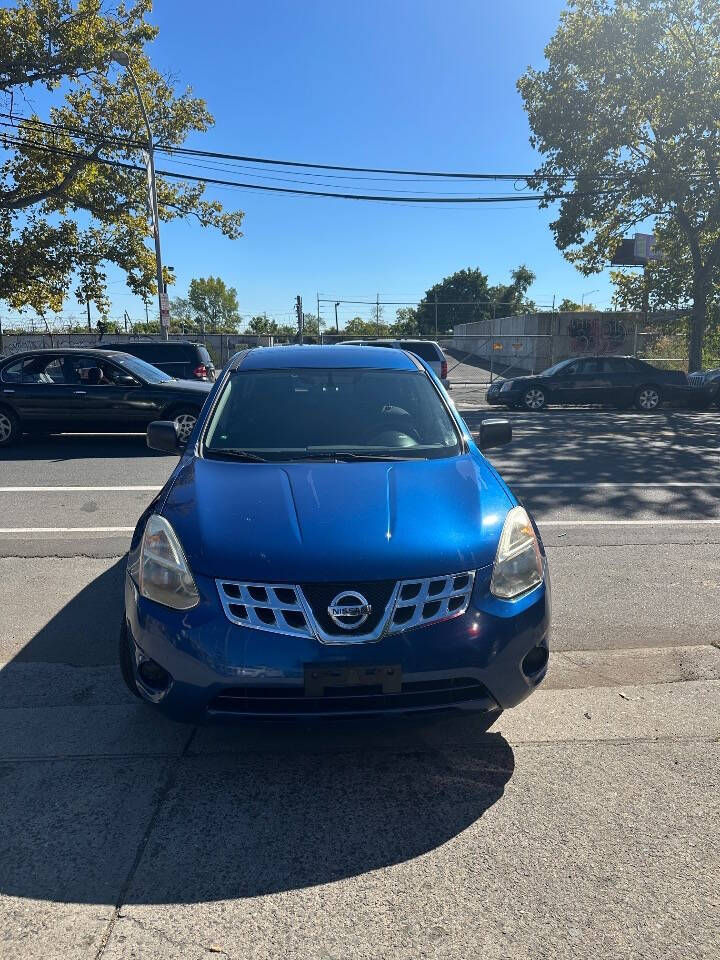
x=125, y=380
x=163, y=435
x=493, y=433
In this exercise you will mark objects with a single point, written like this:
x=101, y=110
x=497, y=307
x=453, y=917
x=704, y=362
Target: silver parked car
x=427, y=350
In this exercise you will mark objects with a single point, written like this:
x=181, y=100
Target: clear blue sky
x=391, y=83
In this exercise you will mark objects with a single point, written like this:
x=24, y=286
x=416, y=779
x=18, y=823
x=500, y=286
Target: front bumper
x=503, y=398
x=491, y=658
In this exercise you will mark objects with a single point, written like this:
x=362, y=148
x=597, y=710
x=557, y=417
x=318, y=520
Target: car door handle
x=8, y=391
x=79, y=393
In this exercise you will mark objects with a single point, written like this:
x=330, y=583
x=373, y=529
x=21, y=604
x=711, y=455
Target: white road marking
x=714, y=521
x=612, y=483
x=152, y=488
x=626, y=523
x=66, y=529
x=79, y=489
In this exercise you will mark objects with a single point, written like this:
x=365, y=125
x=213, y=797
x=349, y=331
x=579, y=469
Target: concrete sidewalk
x=586, y=824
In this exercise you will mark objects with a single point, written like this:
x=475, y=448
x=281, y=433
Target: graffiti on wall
x=599, y=335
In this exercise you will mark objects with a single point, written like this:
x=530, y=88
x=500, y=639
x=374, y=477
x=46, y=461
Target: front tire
x=534, y=399
x=9, y=427
x=648, y=398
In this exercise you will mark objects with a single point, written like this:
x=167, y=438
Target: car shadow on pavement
x=107, y=802
x=611, y=464
x=76, y=446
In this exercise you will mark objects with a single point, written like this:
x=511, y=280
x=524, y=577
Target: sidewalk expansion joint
x=163, y=794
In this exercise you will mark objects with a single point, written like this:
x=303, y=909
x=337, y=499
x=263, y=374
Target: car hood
x=199, y=387
x=520, y=380
x=337, y=521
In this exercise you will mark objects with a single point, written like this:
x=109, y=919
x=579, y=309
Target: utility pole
x=121, y=58
x=87, y=304
x=436, y=317
x=377, y=315
x=337, y=328
x=299, y=309
x=646, y=296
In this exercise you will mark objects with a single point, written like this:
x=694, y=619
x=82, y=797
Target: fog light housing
x=153, y=676
x=536, y=660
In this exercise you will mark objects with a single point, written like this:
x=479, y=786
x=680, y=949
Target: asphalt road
x=586, y=824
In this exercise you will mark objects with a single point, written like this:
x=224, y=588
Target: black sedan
x=618, y=381
x=91, y=391
x=705, y=385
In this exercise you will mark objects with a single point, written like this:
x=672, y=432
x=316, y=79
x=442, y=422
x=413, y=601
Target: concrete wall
x=533, y=341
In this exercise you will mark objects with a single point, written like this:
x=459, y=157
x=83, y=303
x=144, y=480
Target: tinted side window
x=54, y=372
x=619, y=365
x=426, y=351
x=591, y=365
x=13, y=373
x=150, y=352
x=570, y=370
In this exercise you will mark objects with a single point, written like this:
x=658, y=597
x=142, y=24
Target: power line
x=452, y=198
x=130, y=144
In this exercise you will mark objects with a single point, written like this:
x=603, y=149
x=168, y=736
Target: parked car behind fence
x=178, y=358
x=616, y=381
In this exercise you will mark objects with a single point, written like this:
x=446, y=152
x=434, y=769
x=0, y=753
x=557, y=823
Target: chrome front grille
x=285, y=608
x=276, y=607
x=420, y=602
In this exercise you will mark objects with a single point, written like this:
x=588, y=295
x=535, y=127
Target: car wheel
x=534, y=399
x=9, y=426
x=126, y=660
x=185, y=421
x=648, y=398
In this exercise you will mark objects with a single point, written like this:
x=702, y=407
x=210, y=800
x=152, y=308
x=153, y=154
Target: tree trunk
x=698, y=321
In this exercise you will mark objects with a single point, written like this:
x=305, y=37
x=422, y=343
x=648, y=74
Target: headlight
x=164, y=573
x=506, y=386
x=518, y=564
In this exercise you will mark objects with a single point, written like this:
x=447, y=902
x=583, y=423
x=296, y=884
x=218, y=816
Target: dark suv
x=177, y=358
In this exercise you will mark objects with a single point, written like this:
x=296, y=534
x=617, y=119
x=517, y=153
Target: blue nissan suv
x=333, y=542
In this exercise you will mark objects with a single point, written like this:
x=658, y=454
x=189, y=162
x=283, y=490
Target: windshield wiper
x=340, y=455
x=235, y=453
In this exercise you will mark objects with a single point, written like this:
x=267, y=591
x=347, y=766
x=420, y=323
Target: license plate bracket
x=321, y=681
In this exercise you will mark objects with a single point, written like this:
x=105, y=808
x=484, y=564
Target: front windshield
x=305, y=414
x=555, y=368
x=142, y=369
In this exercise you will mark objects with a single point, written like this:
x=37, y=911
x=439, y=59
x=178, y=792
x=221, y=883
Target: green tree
x=262, y=325
x=406, y=323
x=466, y=296
x=626, y=117
x=358, y=327
x=509, y=299
x=572, y=306
x=182, y=316
x=64, y=202
x=311, y=327
x=214, y=304
x=462, y=297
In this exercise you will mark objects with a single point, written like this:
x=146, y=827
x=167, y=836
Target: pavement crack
x=163, y=794
x=161, y=935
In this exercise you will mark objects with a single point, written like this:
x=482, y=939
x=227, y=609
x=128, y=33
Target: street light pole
x=121, y=58
x=586, y=294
